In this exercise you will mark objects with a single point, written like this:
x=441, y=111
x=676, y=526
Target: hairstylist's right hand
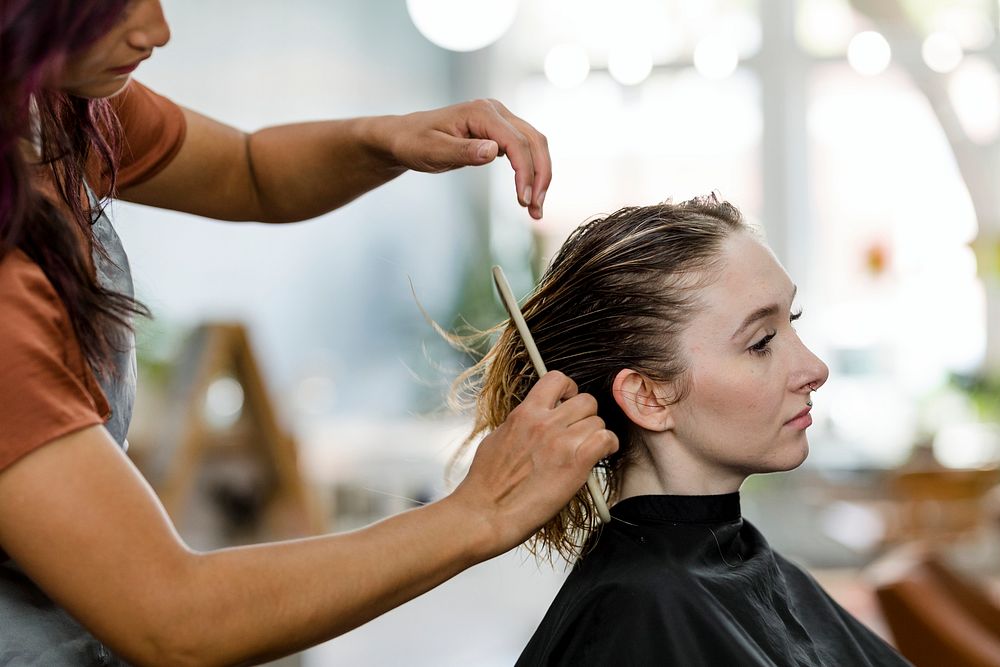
x=526, y=470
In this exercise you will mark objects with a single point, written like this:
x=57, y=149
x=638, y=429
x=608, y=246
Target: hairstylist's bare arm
x=84, y=525
x=295, y=172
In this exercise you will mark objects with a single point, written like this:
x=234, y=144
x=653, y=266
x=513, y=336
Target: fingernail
x=527, y=195
x=541, y=198
x=484, y=150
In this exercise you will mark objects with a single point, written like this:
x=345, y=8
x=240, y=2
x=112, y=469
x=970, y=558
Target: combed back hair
x=616, y=296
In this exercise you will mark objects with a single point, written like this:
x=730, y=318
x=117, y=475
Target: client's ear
x=637, y=396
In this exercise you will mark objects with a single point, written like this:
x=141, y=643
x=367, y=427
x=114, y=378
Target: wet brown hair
x=616, y=296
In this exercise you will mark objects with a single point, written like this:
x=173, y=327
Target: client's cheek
x=746, y=399
x=720, y=393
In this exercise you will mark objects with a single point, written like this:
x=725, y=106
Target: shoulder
x=629, y=564
x=46, y=386
x=620, y=605
x=816, y=605
x=134, y=104
x=625, y=572
x=153, y=129
x=795, y=573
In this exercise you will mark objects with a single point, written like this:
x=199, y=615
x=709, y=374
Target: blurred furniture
x=232, y=479
x=936, y=616
x=976, y=598
x=939, y=505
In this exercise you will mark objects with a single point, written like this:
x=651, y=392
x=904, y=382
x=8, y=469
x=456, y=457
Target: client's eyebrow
x=762, y=313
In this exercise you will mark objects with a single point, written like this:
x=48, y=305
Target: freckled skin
x=732, y=421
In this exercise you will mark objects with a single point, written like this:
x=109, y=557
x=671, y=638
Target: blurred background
x=290, y=366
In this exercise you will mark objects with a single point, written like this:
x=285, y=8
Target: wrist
x=482, y=527
x=376, y=136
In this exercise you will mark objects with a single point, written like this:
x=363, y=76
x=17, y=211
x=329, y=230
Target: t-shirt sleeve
x=47, y=389
x=153, y=131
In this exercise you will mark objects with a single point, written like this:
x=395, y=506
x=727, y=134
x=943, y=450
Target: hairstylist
x=91, y=570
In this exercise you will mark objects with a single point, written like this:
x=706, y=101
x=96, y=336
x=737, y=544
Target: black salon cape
x=686, y=581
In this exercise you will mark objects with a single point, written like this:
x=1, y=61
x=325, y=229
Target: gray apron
x=33, y=629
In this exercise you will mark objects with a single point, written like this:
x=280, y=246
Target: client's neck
x=671, y=470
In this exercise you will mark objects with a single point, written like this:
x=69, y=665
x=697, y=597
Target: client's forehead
x=747, y=277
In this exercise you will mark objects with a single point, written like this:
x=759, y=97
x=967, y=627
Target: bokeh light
x=869, y=53
x=630, y=64
x=942, y=52
x=567, y=65
x=459, y=25
x=715, y=58
x=223, y=402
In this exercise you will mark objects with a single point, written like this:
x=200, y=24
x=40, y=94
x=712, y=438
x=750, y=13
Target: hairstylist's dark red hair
x=36, y=39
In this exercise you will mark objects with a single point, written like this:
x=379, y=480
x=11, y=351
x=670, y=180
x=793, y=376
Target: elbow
x=159, y=645
x=265, y=208
x=175, y=643
x=164, y=655
x=168, y=626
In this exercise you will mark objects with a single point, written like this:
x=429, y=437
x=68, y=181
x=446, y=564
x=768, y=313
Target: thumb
x=446, y=153
x=478, y=151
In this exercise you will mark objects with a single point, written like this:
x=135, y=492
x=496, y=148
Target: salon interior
x=291, y=383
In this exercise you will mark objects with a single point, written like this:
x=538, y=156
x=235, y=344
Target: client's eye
x=760, y=347
x=795, y=316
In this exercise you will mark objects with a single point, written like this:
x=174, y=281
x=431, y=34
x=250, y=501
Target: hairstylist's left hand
x=530, y=466
x=469, y=134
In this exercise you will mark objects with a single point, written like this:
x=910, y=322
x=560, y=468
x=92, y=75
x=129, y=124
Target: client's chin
x=798, y=453
x=789, y=457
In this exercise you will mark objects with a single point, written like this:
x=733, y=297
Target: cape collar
x=721, y=508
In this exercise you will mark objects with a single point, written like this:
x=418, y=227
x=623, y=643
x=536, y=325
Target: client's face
x=750, y=375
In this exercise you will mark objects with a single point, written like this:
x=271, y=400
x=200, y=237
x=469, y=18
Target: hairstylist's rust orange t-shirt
x=47, y=389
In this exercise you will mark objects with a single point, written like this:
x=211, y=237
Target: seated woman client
x=679, y=321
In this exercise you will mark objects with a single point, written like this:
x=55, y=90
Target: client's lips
x=801, y=420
